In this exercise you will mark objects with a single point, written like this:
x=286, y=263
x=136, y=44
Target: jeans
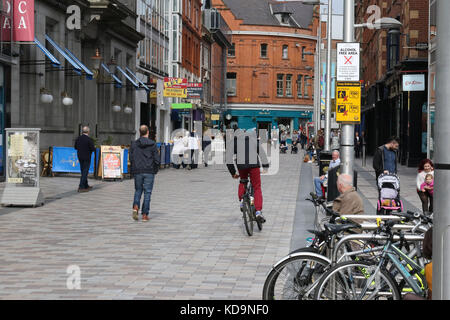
x=84, y=166
x=318, y=186
x=426, y=198
x=255, y=179
x=143, y=182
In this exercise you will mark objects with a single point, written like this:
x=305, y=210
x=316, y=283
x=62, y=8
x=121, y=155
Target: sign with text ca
x=17, y=20
x=175, y=87
x=348, y=102
x=413, y=82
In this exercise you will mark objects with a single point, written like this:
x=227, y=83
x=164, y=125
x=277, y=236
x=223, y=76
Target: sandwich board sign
x=348, y=55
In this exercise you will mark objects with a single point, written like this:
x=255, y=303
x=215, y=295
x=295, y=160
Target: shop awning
x=118, y=83
x=75, y=66
x=135, y=84
x=55, y=62
x=89, y=73
x=139, y=80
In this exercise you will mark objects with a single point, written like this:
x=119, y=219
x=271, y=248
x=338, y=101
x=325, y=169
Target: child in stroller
x=388, y=194
x=283, y=147
x=294, y=148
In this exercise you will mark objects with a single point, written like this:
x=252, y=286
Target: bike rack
x=335, y=250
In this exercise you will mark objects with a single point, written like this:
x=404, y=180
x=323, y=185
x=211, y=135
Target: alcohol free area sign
x=348, y=55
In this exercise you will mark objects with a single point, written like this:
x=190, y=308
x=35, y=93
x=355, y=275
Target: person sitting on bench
x=318, y=181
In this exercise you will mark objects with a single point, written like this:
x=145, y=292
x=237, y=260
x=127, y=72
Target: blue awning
x=76, y=67
x=55, y=62
x=89, y=73
x=139, y=80
x=128, y=77
x=118, y=83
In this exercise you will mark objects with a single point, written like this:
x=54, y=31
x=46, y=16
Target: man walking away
x=145, y=161
x=385, y=158
x=84, y=146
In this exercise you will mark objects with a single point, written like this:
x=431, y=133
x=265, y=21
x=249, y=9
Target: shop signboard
x=175, y=87
x=348, y=102
x=111, y=163
x=413, y=82
x=22, y=167
x=195, y=90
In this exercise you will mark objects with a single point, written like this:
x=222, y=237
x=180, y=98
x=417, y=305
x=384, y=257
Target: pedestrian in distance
x=145, y=161
x=84, y=146
x=385, y=158
x=425, y=192
x=357, y=144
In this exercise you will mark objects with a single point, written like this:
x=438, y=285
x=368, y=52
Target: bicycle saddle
x=244, y=181
x=336, y=228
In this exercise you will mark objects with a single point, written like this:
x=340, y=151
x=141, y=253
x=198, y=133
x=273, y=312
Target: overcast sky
x=338, y=20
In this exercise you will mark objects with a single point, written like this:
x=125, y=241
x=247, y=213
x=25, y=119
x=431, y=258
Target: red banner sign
x=17, y=20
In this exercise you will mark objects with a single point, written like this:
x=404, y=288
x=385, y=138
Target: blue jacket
x=144, y=156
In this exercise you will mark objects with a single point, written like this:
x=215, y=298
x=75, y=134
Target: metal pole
x=429, y=83
x=441, y=229
x=318, y=93
x=347, y=138
x=328, y=99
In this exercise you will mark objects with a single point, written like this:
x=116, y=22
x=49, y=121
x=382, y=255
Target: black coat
x=84, y=146
x=248, y=161
x=378, y=161
x=144, y=156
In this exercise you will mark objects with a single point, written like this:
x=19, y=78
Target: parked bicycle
x=383, y=278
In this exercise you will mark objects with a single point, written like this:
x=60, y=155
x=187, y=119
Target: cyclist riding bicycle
x=248, y=164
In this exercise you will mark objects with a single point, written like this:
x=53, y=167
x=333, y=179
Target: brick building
x=270, y=65
x=389, y=55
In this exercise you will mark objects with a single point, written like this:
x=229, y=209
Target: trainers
x=260, y=217
x=135, y=214
x=145, y=217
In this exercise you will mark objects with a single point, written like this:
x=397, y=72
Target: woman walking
x=426, y=167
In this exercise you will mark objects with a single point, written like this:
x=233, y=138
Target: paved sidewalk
x=193, y=247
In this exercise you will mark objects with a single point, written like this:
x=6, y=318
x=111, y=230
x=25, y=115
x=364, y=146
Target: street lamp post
x=441, y=239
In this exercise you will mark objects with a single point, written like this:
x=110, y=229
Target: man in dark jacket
x=84, y=146
x=246, y=149
x=145, y=161
x=385, y=158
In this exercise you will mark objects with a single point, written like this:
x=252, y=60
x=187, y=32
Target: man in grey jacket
x=145, y=161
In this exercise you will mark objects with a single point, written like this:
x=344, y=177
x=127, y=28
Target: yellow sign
x=348, y=102
x=153, y=94
x=175, y=93
x=215, y=117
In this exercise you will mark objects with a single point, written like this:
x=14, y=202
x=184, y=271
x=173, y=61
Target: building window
x=285, y=51
x=231, y=83
x=280, y=88
x=289, y=85
x=307, y=86
x=299, y=86
x=232, y=50
x=303, y=53
x=263, y=50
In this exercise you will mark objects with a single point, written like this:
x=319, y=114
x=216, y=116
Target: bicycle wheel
x=258, y=222
x=357, y=281
x=247, y=216
x=295, y=277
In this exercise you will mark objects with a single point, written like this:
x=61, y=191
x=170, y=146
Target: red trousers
x=255, y=179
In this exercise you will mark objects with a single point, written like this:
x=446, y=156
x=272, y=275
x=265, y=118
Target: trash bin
x=332, y=190
x=168, y=151
x=163, y=155
x=325, y=159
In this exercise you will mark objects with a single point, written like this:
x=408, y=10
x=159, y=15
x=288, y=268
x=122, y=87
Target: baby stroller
x=283, y=148
x=388, y=194
x=294, y=148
